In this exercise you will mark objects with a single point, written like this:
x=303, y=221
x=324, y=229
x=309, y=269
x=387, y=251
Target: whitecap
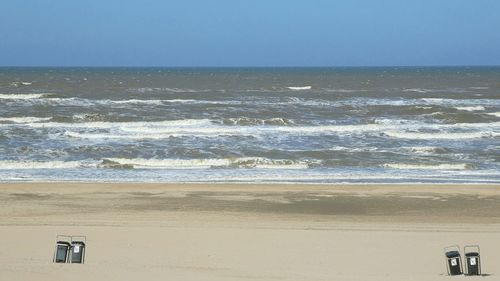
x=153, y=102
x=212, y=128
x=417, y=90
x=440, y=135
x=24, y=119
x=404, y=166
x=13, y=165
x=497, y=114
x=426, y=149
x=243, y=162
x=299, y=88
x=131, y=101
x=181, y=101
x=342, y=90
x=448, y=90
x=172, y=90
x=22, y=96
x=245, y=121
x=355, y=149
x=470, y=108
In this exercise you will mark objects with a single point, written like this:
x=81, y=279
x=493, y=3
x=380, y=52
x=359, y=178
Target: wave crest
x=244, y=162
x=428, y=166
x=23, y=96
x=27, y=119
x=245, y=121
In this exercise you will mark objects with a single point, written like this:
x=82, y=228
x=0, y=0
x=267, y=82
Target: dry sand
x=246, y=232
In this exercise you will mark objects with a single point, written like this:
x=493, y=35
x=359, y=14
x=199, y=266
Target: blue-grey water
x=314, y=125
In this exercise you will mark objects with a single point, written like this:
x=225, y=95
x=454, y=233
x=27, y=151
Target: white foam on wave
x=20, y=83
x=404, y=166
x=497, y=114
x=245, y=121
x=153, y=102
x=44, y=98
x=355, y=149
x=22, y=96
x=299, y=88
x=173, y=90
x=132, y=101
x=14, y=165
x=24, y=119
x=422, y=149
x=457, y=102
x=126, y=125
x=244, y=162
x=417, y=90
x=437, y=101
x=181, y=100
x=396, y=122
x=202, y=125
x=446, y=90
x=212, y=128
x=423, y=103
x=470, y=108
x=171, y=163
x=75, y=101
x=86, y=102
x=342, y=90
x=440, y=135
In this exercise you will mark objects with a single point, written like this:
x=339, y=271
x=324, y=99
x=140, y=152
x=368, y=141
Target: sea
x=250, y=125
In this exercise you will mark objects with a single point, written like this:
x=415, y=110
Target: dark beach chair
x=472, y=260
x=62, y=249
x=78, y=251
x=453, y=260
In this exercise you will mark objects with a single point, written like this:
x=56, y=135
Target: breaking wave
x=139, y=163
x=260, y=127
x=300, y=88
x=445, y=90
x=470, y=108
x=23, y=96
x=15, y=165
x=427, y=150
x=441, y=135
x=244, y=121
x=24, y=119
x=428, y=166
x=425, y=103
x=244, y=162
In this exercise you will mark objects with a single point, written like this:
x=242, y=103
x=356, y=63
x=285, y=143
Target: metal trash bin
x=61, y=252
x=77, y=252
x=472, y=260
x=453, y=260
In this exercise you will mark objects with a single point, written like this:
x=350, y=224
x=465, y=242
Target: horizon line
x=246, y=66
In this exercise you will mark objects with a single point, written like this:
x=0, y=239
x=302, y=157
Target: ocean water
x=292, y=125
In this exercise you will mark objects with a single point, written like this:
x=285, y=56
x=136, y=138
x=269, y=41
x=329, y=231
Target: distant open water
x=292, y=125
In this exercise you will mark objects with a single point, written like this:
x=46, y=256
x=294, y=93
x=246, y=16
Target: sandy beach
x=246, y=232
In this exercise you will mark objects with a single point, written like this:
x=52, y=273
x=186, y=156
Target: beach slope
x=246, y=232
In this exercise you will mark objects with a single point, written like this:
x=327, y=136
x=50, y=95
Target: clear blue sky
x=249, y=32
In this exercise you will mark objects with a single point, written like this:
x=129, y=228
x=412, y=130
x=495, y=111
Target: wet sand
x=243, y=232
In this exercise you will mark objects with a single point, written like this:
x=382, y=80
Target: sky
x=249, y=32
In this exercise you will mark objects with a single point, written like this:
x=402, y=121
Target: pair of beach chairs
x=70, y=249
x=454, y=260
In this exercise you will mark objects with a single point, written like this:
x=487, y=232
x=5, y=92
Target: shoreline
x=250, y=183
